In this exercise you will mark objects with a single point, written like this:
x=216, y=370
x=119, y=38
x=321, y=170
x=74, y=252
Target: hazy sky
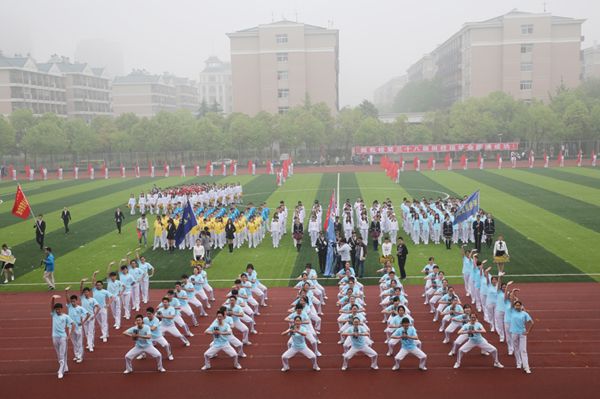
x=379, y=39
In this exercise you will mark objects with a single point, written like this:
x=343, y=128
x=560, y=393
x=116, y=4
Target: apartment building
x=143, y=94
x=276, y=66
x=214, y=86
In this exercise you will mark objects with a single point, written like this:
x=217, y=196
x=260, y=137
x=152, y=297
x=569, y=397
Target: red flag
x=269, y=167
x=249, y=167
x=21, y=208
x=329, y=210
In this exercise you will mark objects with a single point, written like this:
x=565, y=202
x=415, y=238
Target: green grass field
x=550, y=219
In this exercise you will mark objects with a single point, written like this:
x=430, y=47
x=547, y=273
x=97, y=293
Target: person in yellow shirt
x=158, y=232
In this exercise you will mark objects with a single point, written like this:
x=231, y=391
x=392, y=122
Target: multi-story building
x=186, y=94
x=87, y=88
x=424, y=69
x=384, y=95
x=23, y=84
x=591, y=62
x=527, y=55
x=143, y=94
x=278, y=65
x=215, y=84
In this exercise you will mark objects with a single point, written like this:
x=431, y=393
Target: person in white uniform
x=142, y=336
x=298, y=334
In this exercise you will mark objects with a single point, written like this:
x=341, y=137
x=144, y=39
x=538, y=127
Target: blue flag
x=330, y=235
x=469, y=208
x=187, y=223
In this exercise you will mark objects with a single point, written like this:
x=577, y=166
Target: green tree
x=420, y=96
x=7, y=137
x=576, y=119
x=368, y=109
x=45, y=138
x=82, y=139
x=21, y=120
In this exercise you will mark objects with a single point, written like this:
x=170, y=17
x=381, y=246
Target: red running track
x=564, y=352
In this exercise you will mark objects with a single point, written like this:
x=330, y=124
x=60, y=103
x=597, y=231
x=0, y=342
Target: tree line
x=570, y=114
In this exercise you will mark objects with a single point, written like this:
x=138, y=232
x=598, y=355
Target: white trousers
x=214, y=350
x=367, y=350
x=499, y=323
x=77, y=341
x=60, y=346
x=145, y=285
x=172, y=330
x=291, y=352
x=483, y=345
x=135, y=296
x=415, y=352
x=241, y=327
x=520, y=347
x=164, y=343
x=126, y=299
x=115, y=308
x=148, y=350
x=102, y=319
x=89, y=328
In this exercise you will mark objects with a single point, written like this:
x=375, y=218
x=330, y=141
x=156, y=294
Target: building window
x=526, y=85
x=282, y=57
x=283, y=93
x=281, y=39
x=526, y=48
x=282, y=75
x=526, y=66
x=527, y=29
x=283, y=110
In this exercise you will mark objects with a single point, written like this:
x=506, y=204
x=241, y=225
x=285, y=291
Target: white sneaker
x=284, y=369
x=423, y=368
x=104, y=339
x=243, y=355
x=389, y=354
x=344, y=368
x=450, y=353
x=456, y=365
x=162, y=370
x=6, y=282
x=318, y=354
x=441, y=329
x=75, y=358
x=519, y=365
x=527, y=371
x=498, y=365
x=254, y=332
x=205, y=368
x=187, y=343
x=445, y=341
x=126, y=372
x=237, y=366
x=190, y=335
x=394, y=368
x=79, y=360
x=60, y=376
x=317, y=368
x=375, y=367
x=510, y=353
x=485, y=353
x=171, y=357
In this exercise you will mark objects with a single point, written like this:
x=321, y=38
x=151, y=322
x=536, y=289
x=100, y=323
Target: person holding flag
x=468, y=208
x=187, y=223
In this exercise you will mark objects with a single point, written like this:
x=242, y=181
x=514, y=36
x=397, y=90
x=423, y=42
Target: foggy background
x=379, y=39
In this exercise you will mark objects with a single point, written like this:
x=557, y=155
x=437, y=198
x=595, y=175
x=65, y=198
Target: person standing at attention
x=119, y=217
x=501, y=254
x=401, y=254
x=142, y=229
x=478, y=233
x=40, y=230
x=48, y=263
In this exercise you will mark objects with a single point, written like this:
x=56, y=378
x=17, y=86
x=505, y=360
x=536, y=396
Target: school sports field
x=550, y=219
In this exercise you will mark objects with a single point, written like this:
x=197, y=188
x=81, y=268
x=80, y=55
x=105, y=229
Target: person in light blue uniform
x=220, y=330
x=79, y=315
x=104, y=299
x=521, y=324
x=115, y=287
x=61, y=329
x=298, y=333
x=142, y=336
x=408, y=338
x=359, y=343
x=91, y=305
x=473, y=330
x=129, y=284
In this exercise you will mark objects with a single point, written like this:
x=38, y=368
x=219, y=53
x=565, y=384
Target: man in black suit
x=119, y=217
x=489, y=227
x=478, y=233
x=447, y=231
x=401, y=254
x=322, y=251
x=66, y=218
x=40, y=231
x=352, y=242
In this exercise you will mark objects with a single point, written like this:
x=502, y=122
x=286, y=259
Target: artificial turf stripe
x=271, y=262
x=8, y=186
x=565, y=188
x=533, y=192
x=590, y=172
x=8, y=193
x=55, y=200
x=170, y=266
x=97, y=221
x=569, y=177
x=535, y=234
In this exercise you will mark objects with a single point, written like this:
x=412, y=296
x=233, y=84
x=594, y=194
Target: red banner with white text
x=421, y=148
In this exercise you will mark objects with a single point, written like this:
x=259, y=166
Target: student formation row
x=124, y=293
